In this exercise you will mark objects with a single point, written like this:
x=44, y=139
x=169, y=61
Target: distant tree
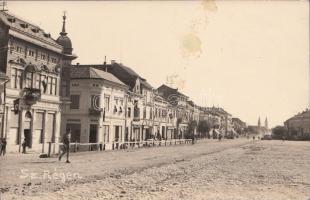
x=278, y=132
x=203, y=127
x=192, y=124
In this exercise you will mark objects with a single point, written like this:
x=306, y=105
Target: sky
x=249, y=57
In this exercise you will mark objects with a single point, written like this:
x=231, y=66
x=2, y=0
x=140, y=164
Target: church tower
x=258, y=123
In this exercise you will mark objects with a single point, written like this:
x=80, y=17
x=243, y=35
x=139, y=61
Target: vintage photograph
x=154, y=100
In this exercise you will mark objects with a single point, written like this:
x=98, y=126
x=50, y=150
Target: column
x=56, y=132
x=21, y=127
x=44, y=131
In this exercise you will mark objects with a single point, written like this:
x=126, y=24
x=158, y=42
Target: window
x=116, y=101
x=13, y=77
x=121, y=101
x=16, y=78
x=75, y=101
x=43, y=84
x=53, y=60
x=54, y=84
x=31, y=53
x=151, y=113
x=144, y=113
x=38, y=81
x=29, y=79
x=19, y=49
x=49, y=85
x=95, y=102
x=107, y=103
x=129, y=112
x=43, y=56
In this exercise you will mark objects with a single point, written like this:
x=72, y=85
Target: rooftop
x=87, y=72
x=26, y=27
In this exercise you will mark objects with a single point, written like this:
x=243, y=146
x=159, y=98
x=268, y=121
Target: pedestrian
x=3, y=147
x=24, y=145
x=0, y=144
x=220, y=137
x=66, y=145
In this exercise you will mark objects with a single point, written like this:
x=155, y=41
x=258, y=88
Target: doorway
x=28, y=139
x=93, y=133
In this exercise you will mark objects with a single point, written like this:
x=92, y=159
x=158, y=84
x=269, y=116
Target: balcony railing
x=95, y=112
x=31, y=95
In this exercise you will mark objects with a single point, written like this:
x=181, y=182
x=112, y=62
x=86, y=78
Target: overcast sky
x=250, y=57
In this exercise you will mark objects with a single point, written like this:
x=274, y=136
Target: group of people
x=2, y=146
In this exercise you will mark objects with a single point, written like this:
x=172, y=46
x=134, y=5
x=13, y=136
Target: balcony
x=96, y=112
x=31, y=95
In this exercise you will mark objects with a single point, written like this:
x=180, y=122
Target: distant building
x=298, y=126
x=179, y=102
x=238, y=125
x=259, y=130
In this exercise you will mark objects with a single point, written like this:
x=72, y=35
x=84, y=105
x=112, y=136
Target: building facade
x=33, y=61
x=298, y=126
x=97, y=112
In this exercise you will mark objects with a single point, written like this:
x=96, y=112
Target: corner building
x=34, y=62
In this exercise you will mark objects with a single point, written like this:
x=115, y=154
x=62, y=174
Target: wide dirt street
x=231, y=169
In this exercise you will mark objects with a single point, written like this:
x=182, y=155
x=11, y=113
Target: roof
x=171, y=90
x=86, y=72
x=123, y=73
x=26, y=27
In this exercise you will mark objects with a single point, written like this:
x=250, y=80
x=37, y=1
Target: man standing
x=24, y=145
x=66, y=145
x=3, y=147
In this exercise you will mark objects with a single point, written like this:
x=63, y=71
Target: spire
x=266, y=123
x=63, y=32
x=258, y=121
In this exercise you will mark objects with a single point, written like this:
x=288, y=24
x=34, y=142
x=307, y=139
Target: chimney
x=105, y=60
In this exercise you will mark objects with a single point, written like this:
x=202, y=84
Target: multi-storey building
x=179, y=101
x=140, y=101
x=33, y=60
x=298, y=126
x=163, y=124
x=238, y=125
x=97, y=112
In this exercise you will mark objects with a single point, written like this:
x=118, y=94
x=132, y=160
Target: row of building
x=298, y=126
x=43, y=95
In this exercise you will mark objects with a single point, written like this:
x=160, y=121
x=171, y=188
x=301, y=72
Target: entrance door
x=116, y=136
x=27, y=135
x=93, y=133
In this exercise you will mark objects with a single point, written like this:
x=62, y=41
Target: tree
x=192, y=124
x=203, y=127
x=278, y=132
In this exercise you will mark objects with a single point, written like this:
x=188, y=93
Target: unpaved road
x=232, y=169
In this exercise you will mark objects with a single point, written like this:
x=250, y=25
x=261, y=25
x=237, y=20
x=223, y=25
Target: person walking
x=3, y=147
x=66, y=145
x=24, y=145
